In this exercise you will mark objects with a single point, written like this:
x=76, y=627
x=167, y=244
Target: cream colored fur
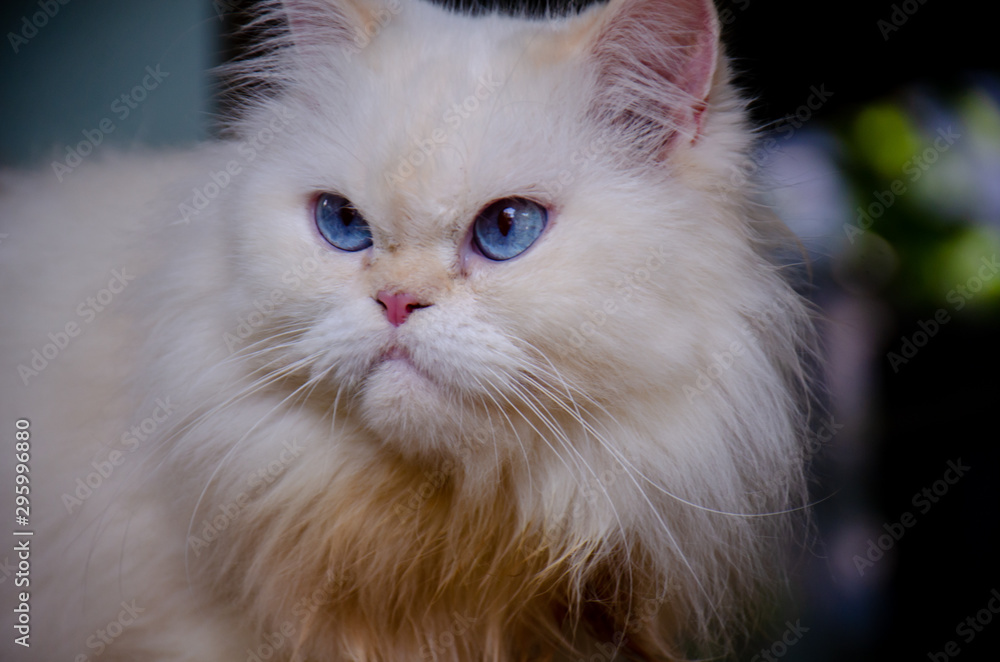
x=569, y=465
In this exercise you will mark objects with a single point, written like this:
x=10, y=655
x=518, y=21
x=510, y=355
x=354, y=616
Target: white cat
x=465, y=346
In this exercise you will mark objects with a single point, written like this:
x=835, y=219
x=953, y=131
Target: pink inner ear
x=659, y=57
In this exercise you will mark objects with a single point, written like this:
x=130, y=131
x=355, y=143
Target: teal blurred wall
x=64, y=74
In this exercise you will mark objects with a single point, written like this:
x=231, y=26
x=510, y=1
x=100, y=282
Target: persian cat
x=465, y=344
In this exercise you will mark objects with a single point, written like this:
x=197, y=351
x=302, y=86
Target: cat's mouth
x=397, y=357
x=395, y=353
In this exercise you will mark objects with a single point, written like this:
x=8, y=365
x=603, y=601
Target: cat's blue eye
x=508, y=227
x=341, y=224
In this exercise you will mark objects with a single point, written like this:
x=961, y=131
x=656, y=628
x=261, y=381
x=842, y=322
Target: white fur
x=593, y=401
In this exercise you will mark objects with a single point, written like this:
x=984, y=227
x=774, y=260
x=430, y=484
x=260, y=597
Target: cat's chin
x=405, y=406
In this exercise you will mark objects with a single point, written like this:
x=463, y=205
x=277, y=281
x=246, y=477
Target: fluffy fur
x=593, y=449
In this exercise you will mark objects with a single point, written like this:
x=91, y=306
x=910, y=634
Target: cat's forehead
x=439, y=114
x=445, y=130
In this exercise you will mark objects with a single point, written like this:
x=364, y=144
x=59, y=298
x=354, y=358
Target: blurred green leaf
x=885, y=138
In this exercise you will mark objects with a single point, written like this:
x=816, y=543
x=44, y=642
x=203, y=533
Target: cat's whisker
x=105, y=517
x=630, y=472
x=538, y=409
x=482, y=395
x=262, y=381
x=232, y=450
x=568, y=445
x=560, y=435
x=632, y=469
x=269, y=343
x=550, y=369
x=334, y=408
x=541, y=435
x=513, y=428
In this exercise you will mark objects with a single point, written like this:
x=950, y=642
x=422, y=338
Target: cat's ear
x=655, y=62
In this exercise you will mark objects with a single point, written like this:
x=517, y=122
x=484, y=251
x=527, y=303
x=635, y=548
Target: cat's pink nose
x=399, y=305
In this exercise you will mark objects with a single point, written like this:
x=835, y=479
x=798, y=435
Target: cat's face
x=431, y=334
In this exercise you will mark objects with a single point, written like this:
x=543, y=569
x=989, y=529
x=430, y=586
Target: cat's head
x=492, y=223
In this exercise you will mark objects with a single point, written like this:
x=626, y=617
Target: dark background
x=901, y=428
